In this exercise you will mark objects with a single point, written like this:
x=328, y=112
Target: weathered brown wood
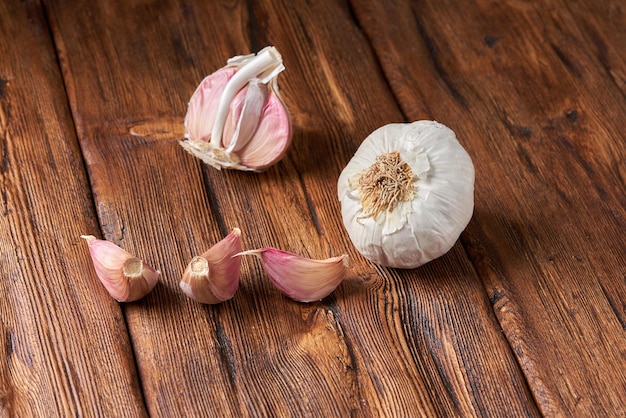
x=387, y=343
x=536, y=92
x=125, y=80
x=526, y=316
x=64, y=346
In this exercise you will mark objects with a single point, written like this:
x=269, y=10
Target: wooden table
x=525, y=316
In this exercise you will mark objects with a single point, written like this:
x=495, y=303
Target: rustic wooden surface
x=525, y=316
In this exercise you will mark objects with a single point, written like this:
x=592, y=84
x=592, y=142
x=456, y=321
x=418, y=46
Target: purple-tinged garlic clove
x=213, y=277
x=272, y=138
x=124, y=276
x=300, y=278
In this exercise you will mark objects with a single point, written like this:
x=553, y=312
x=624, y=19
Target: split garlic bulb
x=407, y=194
x=236, y=118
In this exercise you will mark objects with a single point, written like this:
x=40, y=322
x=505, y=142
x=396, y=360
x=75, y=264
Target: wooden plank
x=430, y=316
x=601, y=26
x=531, y=90
x=124, y=77
x=52, y=308
x=387, y=343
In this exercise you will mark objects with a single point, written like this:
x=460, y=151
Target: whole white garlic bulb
x=407, y=194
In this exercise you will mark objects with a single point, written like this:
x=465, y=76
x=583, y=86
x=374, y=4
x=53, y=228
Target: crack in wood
x=603, y=57
x=256, y=32
x=491, y=40
x=351, y=367
x=5, y=116
x=225, y=349
x=3, y=86
x=433, y=51
x=310, y=206
x=619, y=314
x=568, y=63
x=7, y=388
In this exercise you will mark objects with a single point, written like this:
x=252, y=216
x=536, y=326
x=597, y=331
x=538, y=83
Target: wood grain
x=525, y=316
x=53, y=307
x=148, y=191
x=531, y=91
x=387, y=343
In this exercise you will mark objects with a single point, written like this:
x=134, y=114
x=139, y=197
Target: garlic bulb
x=236, y=117
x=407, y=194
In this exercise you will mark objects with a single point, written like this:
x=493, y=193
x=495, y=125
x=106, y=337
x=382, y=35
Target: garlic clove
x=272, y=138
x=202, y=107
x=245, y=116
x=236, y=111
x=124, y=276
x=213, y=277
x=300, y=278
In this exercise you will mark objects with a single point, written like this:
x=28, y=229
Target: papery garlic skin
x=300, y=278
x=213, y=277
x=124, y=276
x=429, y=221
x=236, y=118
